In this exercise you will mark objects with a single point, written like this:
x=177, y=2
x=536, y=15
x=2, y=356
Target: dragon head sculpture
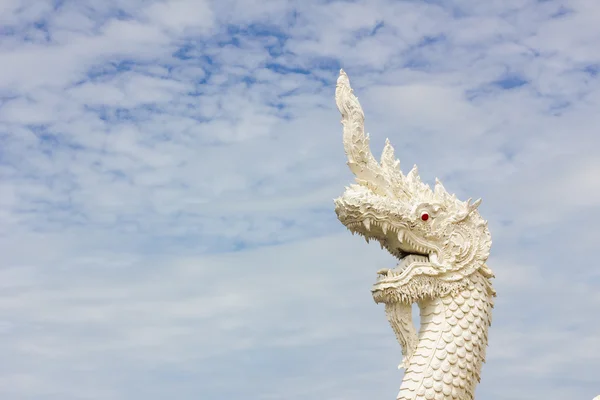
x=436, y=238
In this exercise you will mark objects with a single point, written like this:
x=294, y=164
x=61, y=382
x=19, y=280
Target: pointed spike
x=384, y=227
x=356, y=142
x=387, y=154
x=413, y=175
x=439, y=189
x=367, y=223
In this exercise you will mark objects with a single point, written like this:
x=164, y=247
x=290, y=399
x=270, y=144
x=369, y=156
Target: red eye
x=425, y=216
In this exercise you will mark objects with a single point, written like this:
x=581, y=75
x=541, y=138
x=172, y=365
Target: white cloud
x=181, y=15
x=152, y=154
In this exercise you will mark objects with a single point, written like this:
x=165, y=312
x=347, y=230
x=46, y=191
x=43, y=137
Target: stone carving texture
x=442, y=245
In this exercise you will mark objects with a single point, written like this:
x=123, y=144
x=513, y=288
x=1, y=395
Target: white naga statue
x=442, y=245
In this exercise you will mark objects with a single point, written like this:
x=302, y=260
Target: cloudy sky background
x=167, y=171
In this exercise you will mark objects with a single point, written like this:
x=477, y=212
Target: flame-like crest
x=442, y=245
x=385, y=178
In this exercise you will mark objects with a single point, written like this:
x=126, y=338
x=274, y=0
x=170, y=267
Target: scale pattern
x=442, y=245
x=452, y=346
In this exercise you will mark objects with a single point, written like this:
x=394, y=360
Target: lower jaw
x=390, y=295
x=391, y=287
x=402, y=273
x=415, y=288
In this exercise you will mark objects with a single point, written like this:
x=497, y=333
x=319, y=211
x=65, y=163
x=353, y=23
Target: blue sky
x=167, y=171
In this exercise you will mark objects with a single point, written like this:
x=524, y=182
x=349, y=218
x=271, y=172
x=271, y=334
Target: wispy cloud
x=167, y=170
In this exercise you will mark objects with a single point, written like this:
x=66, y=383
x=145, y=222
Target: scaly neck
x=452, y=341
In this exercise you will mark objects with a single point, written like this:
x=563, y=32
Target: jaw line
x=407, y=273
x=406, y=242
x=425, y=262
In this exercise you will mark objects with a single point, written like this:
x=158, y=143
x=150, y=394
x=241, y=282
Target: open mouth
x=399, y=241
x=408, y=252
x=409, y=259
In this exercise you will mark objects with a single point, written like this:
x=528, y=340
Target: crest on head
x=447, y=237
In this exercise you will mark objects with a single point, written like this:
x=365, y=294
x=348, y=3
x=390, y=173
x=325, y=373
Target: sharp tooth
x=433, y=258
x=400, y=236
x=367, y=239
x=384, y=227
x=367, y=223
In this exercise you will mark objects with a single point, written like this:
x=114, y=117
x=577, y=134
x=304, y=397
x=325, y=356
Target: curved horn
x=356, y=143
